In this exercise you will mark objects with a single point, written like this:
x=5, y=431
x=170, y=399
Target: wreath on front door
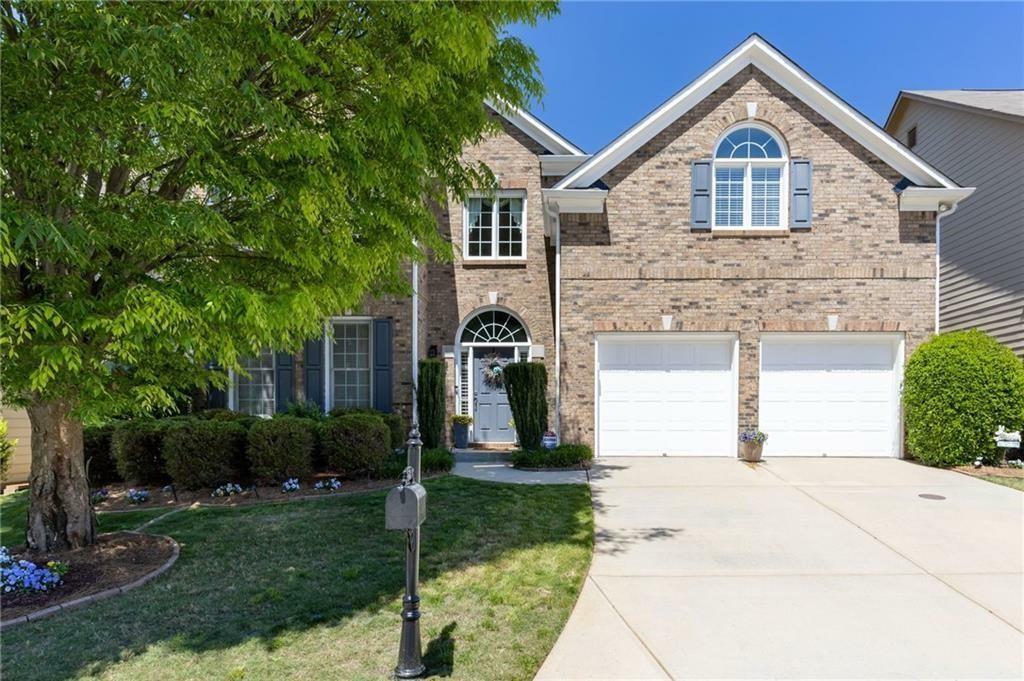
x=494, y=371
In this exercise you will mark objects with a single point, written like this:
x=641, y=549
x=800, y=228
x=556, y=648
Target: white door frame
x=899, y=364
x=655, y=336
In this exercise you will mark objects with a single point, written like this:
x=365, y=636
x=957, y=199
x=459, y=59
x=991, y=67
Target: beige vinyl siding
x=18, y=428
x=982, y=249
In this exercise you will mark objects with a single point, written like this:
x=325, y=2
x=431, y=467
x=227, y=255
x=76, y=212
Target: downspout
x=943, y=211
x=556, y=229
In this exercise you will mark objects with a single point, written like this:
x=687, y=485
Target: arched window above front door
x=494, y=326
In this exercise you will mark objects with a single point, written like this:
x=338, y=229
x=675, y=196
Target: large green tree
x=184, y=182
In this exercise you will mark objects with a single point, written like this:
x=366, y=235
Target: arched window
x=494, y=326
x=750, y=179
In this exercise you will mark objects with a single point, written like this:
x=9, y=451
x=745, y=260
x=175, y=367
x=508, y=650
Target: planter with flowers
x=460, y=430
x=752, y=445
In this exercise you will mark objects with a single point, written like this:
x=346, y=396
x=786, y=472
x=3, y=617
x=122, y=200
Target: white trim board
x=758, y=52
x=535, y=129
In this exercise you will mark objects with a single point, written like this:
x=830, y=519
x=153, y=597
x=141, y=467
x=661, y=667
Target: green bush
x=526, y=384
x=430, y=402
x=136, y=446
x=959, y=387
x=99, y=456
x=394, y=422
x=355, y=444
x=562, y=456
x=202, y=453
x=281, y=448
x=304, y=410
x=6, y=451
x=438, y=460
x=221, y=414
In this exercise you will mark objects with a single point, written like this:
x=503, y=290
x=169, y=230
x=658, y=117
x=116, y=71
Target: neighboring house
x=753, y=253
x=976, y=137
x=19, y=430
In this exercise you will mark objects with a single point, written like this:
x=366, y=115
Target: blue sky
x=607, y=64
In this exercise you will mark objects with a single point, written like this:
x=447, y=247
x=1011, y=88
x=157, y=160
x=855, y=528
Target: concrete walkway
x=494, y=467
x=798, y=568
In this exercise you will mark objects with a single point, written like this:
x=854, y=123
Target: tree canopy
x=184, y=182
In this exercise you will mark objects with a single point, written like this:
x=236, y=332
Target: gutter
x=938, y=256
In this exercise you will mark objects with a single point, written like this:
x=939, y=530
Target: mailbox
x=406, y=507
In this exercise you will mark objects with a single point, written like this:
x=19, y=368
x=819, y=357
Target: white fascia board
x=775, y=65
x=574, y=200
x=940, y=199
x=535, y=129
x=559, y=165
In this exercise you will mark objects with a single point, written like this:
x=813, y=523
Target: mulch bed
x=117, y=559
x=164, y=497
x=997, y=471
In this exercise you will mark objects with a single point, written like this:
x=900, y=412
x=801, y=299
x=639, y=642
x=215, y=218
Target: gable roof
x=1001, y=103
x=536, y=129
x=757, y=51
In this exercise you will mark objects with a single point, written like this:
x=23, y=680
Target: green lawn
x=1015, y=483
x=14, y=507
x=312, y=590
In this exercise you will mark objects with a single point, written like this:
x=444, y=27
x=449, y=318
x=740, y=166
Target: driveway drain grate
x=936, y=497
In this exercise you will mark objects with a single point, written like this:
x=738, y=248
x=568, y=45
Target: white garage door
x=830, y=394
x=666, y=394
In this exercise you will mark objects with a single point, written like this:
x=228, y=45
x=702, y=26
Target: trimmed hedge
x=355, y=444
x=526, y=384
x=136, y=446
x=959, y=387
x=562, y=456
x=204, y=453
x=99, y=457
x=430, y=402
x=394, y=422
x=281, y=448
x=305, y=410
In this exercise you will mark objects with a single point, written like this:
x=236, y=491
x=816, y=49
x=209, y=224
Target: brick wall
x=622, y=270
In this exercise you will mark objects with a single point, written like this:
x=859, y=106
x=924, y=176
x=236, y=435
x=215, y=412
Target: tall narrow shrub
x=527, y=385
x=430, y=402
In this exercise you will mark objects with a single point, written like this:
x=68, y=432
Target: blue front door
x=491, y=413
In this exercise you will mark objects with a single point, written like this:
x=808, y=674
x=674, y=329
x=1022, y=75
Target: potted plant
x=752, y=444
x=460, y=430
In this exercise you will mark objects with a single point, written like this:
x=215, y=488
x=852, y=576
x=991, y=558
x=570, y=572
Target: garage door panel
x=832, y=396
x=672, y=396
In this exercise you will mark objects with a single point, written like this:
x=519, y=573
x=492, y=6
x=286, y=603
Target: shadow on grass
x=268, y=574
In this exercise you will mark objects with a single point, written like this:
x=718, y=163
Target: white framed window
x=495, y=227
x=351, y=367
x=253, y=388
x=750, y=177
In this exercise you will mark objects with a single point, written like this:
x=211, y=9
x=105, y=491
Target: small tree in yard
x=526, y=384
x=186, y=182
x=959, y=388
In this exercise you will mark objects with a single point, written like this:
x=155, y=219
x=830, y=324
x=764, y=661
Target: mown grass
x=312, y=589
x=14, y=510
x=1015, y=483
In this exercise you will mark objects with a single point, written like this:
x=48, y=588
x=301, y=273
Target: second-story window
x=749, y=180
x=495, y=227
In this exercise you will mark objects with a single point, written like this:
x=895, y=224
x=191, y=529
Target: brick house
x=753, y=253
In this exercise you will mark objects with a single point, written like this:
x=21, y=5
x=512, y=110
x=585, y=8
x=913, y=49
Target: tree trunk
x=59, y=513
x=299, y=377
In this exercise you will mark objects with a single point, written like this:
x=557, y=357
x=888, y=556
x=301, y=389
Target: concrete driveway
x=797, y=568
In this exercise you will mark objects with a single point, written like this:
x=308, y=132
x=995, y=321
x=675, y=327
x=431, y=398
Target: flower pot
x=751, y=451
x=460, y=433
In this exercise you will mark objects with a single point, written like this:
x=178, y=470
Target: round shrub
x=355, y=444
x=136, y=446
x=99, y=456
x=394, y=422
x=281, y=448
x=222, y=414
x=959, y=388
x=202, y=453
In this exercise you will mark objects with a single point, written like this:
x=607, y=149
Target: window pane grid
x=351, y=368
x=729, y=197
x=255, y=391
x=765, y=190
x=494, y=227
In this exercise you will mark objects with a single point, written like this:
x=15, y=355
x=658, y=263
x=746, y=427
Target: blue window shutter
x=800, y=194
x=315, y=375
x=700, y=195
x=383, y=349
x=284, y=381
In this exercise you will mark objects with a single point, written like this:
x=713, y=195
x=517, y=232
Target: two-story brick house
x=753, y=253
